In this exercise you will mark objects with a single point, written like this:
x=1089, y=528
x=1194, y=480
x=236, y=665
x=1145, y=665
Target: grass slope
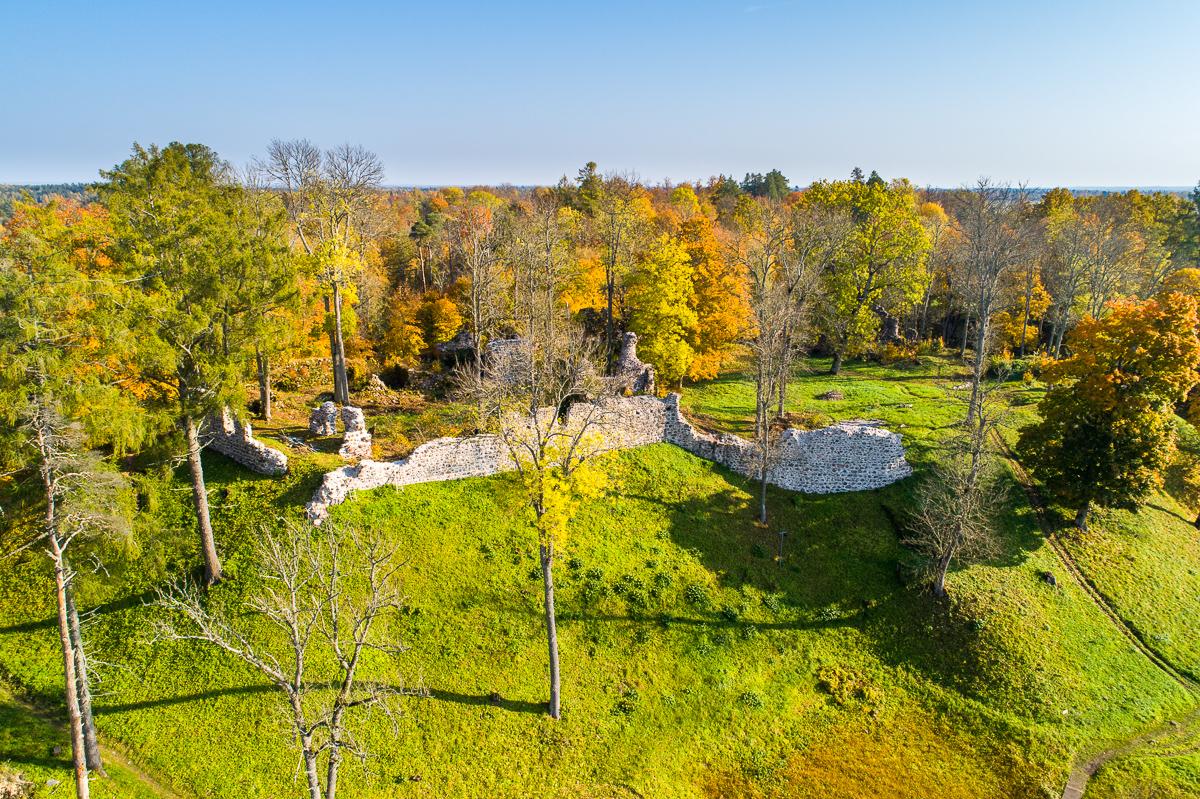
x=694, y=663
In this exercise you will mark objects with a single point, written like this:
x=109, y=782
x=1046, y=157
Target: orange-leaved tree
x=1106, y=434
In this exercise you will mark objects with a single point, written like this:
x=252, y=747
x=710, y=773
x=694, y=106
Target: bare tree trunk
x=943, y=566
x=91, y=746
x=547, y=554
x=1028, y=301
x=836, y=368
x=208, y=545
x=762, y=435
x=331, y=771
x=762, y=494
x=341, y=382
x=1081, y=516
x=977, y=370
x=962, y=351
x=71, y=688
x=263, y=362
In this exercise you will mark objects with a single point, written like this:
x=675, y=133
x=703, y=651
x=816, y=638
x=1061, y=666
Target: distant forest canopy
x=387, y=280
x=40, y=192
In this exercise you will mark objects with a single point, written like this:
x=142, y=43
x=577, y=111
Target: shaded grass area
x=694, y=663
x=40, y=752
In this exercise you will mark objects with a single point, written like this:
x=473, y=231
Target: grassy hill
x=694, y=663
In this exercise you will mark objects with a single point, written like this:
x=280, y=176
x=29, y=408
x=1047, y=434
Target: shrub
x=751, y=699
x=696, y=596
x=898, y=354
x=931, y=347
x=848, y=688
x=627, y=702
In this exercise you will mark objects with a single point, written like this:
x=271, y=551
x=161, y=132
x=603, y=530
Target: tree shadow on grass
x=438, y=694
x=26, y=740
x=114, y=606
x=840, y=565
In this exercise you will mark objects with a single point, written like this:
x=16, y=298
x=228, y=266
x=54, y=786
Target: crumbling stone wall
x=323, y=419
x=633, y=376
x=849, y=456
x=356, y=443
x=236, y=441
x=356, y=440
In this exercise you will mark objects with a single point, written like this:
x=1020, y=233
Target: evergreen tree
x=175, y=212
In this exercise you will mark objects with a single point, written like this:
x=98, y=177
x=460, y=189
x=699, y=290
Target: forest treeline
x=668, y=261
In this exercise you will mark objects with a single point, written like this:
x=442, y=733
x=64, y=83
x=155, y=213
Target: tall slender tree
x=60, y=398
x=328, y=198
x=175, y=214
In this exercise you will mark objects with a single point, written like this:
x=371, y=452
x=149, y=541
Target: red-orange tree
x=1106, y=436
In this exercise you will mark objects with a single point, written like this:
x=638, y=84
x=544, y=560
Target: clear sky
x=1053, y=92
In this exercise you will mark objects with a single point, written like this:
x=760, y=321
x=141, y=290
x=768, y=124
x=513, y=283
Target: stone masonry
x=323, y=419
x=633, y=376
x=356, y=444
x=236, y=441
x=849, y=456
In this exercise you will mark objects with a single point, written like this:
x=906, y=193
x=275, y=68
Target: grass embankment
x=694, y=664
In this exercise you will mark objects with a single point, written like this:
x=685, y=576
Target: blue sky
x=1070, y=93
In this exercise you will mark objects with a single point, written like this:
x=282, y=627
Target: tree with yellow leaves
x=721, y=298
x=549, y=435
x=661, y=301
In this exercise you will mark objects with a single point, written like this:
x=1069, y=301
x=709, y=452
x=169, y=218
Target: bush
x=1003, y=366
x=848, y=688
x=627, y=703
x=931, y=347
x=751, y=699
x=898, y=354
x=696, y=596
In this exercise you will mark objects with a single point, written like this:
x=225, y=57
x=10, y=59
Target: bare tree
x=328, y=198
x=620, y=228
x=476, y=240
x=82, y=501
x=324, y=601
x=759, y=245
x=994, y=237
x=958, y=503
x=814, y=236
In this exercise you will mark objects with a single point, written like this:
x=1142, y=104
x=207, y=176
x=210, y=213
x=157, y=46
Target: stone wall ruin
x=848, y=456
x=236, y=441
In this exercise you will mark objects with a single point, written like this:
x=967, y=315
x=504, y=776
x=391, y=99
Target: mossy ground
x=695, y=664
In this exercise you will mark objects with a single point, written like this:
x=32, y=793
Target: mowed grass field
x=695, y=662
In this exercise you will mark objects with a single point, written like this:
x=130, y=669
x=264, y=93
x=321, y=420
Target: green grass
x=920, y=402
x=28, y=744
x=694, y=663
x=1147, y=564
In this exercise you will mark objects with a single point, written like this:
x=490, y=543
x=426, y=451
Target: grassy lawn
x=695, y=664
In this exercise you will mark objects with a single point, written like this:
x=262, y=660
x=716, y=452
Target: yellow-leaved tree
x=660, y=301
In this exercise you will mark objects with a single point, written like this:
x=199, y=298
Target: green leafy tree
x=175, y=214
x=878, y=266
x=1106, y=435
x=59, y=400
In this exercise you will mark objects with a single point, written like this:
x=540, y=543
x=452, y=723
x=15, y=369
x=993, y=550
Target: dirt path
x=1172, y=730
